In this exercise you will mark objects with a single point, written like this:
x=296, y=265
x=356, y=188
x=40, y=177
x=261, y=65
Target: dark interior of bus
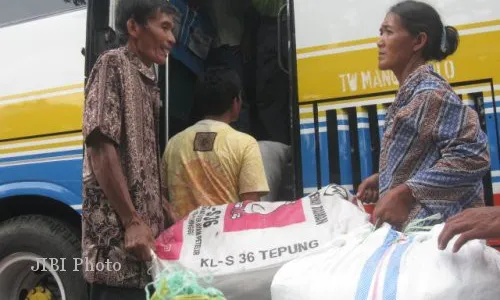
x=181, y=78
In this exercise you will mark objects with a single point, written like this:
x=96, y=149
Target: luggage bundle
x=318, y=247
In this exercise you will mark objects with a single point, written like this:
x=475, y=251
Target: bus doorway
x=255, y=40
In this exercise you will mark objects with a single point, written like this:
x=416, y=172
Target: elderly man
x=122, y=204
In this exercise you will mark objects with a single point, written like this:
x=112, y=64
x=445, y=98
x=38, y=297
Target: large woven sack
x=390, y=265
x=243, y=244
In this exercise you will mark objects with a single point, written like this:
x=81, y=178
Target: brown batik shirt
x=121, y=102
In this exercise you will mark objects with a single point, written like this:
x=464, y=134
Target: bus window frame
x=70, y=7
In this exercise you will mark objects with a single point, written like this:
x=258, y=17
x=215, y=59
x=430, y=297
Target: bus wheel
x=37, y=260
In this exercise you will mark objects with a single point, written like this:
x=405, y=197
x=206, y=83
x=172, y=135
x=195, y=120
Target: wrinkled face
x=396, y=44
x=155, y=39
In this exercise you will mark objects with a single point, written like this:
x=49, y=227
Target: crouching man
x=210, y=163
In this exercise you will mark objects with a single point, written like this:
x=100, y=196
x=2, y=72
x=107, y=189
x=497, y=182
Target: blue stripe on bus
x=324, y=159
x=497, y=115
x=488, y=104
x=342, y=122
x=309, y=163
x=311, y=125
x=381, y=117
x=492, y=140
x=344, y=147
x=365, y=150
x=57, y=178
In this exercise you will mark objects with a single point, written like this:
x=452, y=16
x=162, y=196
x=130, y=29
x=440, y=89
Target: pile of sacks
x=242, y=245
x=322, y=247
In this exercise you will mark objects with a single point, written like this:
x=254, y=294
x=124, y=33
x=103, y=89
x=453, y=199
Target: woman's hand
x=368, y=189
x=394, y=207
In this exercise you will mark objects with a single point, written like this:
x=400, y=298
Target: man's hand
x=473, y=223
x=139, y=240
x=368, y=189
x=106, y=165
x=395, y=206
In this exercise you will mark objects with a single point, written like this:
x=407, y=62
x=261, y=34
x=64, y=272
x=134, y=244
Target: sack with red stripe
x=243, y=244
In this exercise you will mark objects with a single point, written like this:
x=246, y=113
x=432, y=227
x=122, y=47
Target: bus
x=337, y=101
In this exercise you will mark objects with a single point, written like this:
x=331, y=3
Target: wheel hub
x=19, y=281
x=39, y=293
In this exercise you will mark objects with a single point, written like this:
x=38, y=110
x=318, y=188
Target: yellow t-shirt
x=210, y=163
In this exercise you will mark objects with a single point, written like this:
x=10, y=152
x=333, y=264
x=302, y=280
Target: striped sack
x=389, y=265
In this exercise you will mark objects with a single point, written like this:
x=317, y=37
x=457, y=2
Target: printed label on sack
x=169, y=243
x=259, y=215
x=259, y=257
x=247, y=235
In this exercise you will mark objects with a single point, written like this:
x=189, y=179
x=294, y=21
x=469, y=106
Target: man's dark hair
x=215, y=91
x=140, y=11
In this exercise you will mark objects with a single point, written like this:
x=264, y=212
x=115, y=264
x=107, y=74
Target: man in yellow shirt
x=210, y=163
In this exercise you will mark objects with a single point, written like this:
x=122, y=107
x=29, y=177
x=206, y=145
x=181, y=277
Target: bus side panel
x=41, y=99
x=337, y=71
x=308, y=149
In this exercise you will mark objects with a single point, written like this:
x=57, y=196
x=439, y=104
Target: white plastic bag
x=275, y=157
x=389, y=265
x=243, y=244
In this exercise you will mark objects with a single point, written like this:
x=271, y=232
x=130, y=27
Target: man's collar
x=148, y=72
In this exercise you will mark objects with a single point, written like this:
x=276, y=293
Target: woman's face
x=396, y=44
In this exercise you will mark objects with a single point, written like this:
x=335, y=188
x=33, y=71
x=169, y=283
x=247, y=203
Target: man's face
x=156, y=39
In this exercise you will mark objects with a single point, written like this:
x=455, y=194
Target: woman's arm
x=463, y=147
x=463, y=161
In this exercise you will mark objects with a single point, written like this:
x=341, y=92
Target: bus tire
x=24, y=241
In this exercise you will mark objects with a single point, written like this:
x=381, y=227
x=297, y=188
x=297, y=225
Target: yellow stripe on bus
x=307, y=115
x=41, y=92
x=44, y=116
x=356, y=72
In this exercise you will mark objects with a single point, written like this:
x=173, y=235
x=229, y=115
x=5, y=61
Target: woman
x=433, y=153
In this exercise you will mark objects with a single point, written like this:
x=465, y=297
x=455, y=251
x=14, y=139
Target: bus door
x=268, y=71
x=343, y=96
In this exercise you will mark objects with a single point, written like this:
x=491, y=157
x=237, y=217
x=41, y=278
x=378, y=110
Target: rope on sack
x=415, y=225
x=175, y=283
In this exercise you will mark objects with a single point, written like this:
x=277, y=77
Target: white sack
x=388, y=265
x=244, y=244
